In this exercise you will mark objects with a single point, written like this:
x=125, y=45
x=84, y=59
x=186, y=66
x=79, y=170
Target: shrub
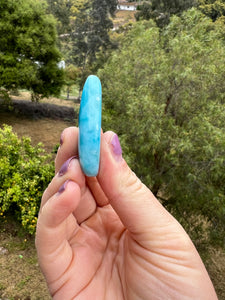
x=25, y=172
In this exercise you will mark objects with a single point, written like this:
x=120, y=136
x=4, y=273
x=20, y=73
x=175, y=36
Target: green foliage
x=164, y=95
x=214, y=9
x=71, y=74
x=90, y=34
x=144, y=11
x=7, y=101
x=25, y=172
x=28, y=52
x=61, y=11
x=76, y=7
x=161, y=10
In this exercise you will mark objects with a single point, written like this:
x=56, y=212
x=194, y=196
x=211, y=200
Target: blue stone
x=90, y=126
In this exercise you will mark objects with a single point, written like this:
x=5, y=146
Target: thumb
x=136, y=206
x=149, y=223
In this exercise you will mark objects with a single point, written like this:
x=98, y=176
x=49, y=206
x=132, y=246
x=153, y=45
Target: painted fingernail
x=116, y=148
x=65, y=166
x=63, y=187
x=61, y=139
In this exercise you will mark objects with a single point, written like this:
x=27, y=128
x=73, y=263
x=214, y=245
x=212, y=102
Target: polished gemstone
x=90, y=126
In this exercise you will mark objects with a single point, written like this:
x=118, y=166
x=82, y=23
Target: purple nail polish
x=63, y=187
x=65, y=166
x=61, y=139
x=117, y=150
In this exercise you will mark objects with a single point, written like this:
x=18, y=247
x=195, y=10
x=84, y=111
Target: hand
x=109, y=238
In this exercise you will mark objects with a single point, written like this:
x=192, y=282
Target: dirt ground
x=215, y=265
x=20, y=276
x=44, y=130
x=42, y=122
x=123, y=17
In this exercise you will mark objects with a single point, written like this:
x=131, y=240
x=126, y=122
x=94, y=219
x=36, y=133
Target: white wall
x=126, y=7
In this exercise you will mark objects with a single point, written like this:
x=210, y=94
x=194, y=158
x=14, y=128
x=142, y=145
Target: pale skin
x=109, y=238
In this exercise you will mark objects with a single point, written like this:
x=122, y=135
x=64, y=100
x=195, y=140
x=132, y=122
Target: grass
x=215, y=265
x=20, y=276
x=74, y=93
x=26, y=95
x=122, y=17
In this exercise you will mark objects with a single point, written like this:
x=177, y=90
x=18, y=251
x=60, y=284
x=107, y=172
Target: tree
x=163, y=94
x=71, y=74
x=91, y=33
x=161, y=10
x=28, y=52
x=214, y=9
x=61, y=11
x=144, y=11
x=76, y=6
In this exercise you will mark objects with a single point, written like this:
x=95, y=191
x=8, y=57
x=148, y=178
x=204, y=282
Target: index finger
x=68, y=147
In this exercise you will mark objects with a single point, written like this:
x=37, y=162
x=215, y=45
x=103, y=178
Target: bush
x=25, y=172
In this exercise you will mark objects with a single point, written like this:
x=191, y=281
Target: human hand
x=109, y=238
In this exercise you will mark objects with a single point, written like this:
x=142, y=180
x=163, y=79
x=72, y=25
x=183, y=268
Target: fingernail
x=63, y=187
x=65, y=166
x=116, y=148
x=61, y=139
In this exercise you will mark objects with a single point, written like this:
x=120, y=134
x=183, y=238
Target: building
x=132, y=6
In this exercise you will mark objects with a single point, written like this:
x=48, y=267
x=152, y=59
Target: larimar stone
x=90, y=126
